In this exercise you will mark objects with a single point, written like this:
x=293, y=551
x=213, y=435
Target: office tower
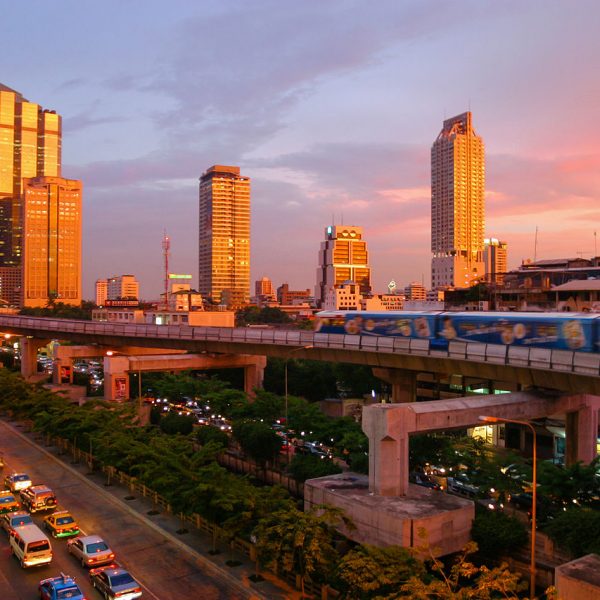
x=415, y=291
x=51, y=261
x=457, y=204
x=123, y=287
x=224, y=236
x=495, y=257
x=263, y=290
x=343, y=257
x=101, y=291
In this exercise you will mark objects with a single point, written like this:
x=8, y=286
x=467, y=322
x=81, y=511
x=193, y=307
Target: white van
x=31, y=547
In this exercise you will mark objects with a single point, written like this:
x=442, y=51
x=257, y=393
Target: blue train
x=562, y=331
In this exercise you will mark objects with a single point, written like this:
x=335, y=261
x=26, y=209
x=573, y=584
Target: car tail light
x=111, y=556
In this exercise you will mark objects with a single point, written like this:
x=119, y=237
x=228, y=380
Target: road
x=164, y=569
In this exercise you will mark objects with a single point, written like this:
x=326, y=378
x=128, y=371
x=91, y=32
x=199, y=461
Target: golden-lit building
x=343, y=257
x=495, y=257
x=224, y=236
x=30, y=146
x=51, y=260
x=457, y=204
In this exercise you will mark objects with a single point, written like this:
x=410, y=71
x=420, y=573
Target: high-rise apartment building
x=119, y=287
x=101, y=291
x=495, y=258
x=224, y=236
x=263, y=290
x=415, y=291
x=343, y=257
x=457, y=204
x=51, y=262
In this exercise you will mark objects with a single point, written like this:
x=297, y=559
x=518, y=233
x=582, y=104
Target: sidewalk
x=195, y=542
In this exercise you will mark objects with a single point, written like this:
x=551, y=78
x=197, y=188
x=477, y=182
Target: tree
x=496, y=533
x=258, y=440
x=577, y=483
x=576, y=530
x=306, y=467
x=300, y=542
x=173, y=424
x=370, y=572
x=208, y=434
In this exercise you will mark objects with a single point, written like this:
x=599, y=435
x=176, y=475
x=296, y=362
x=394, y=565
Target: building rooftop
x=578, y=285
x=586, y=569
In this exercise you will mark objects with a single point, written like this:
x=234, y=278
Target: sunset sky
x=330, y=106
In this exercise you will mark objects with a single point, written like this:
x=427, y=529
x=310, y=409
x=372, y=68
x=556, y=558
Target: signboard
x=65, y=374
x=121, y=303
x=120, y=388
x=179, y=276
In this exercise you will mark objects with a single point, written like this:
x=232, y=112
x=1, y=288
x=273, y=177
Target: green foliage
x=257, y=440
x=59, y=310
x=303, y=467
x=577, y=531
x=575, y=482
x=177, y=424
x=207, y=434
x=369, y=572
x=497, y=534
x=252, y=315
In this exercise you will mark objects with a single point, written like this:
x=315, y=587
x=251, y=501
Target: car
x=423, y=480
x=9, y=521
x=61, y=524
x=8, y=502
x=461, y=485
x=16, y=482
x=62, y=587
x=90, y=550
x=37, y=498
x=113, y=582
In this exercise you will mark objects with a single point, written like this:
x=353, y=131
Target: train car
x=562, y=331
x=411, y=324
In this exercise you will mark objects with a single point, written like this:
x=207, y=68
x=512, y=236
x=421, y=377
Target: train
x=577, y=332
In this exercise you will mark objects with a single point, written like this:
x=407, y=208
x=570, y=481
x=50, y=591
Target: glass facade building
x=224, y=236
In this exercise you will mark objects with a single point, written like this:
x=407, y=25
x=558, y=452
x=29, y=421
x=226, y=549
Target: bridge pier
x=29, y=350
x=581, y=429
x=403, y=382
x=116, y=378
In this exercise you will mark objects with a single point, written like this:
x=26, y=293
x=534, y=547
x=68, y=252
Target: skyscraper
x=30, y=146
x=51, y=262
x=343, y=256
x=457, y=204
x=224, y=236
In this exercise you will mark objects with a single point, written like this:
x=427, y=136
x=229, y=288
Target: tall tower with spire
x=457, y=204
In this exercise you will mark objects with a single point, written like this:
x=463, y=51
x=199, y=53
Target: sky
x=329, y=106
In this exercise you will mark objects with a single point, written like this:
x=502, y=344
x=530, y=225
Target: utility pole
x=166, y=246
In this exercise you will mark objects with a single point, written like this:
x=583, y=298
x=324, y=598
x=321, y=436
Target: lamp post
x=534, y=494
x=285, y=387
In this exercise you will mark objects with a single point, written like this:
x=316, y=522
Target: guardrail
x=518, y=356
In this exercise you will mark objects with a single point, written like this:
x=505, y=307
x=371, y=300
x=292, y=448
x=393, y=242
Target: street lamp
x=534, y=494
x=285, y=371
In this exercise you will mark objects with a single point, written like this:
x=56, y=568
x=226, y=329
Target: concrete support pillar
x=404, y=383
x=254, y=375
x=582, y=433
x=388, y=450
x=116, y=378
x=62, y=371
x=29, y=350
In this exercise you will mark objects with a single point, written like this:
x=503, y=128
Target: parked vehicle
x=90, y=550
x=423, y=480
x=30, y=546
x=38, y=498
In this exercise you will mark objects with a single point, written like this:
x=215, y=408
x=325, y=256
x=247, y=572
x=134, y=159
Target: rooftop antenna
x=595, y=245
x=535, y=245
x=166, y=247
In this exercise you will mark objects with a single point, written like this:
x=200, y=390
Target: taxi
x=8, y=502
x=61, y=524
x=60, y=588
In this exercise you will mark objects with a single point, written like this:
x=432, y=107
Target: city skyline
x=331, y=113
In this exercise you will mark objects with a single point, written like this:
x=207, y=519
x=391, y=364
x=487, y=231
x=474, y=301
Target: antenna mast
x=535, y=246
x=166, y=247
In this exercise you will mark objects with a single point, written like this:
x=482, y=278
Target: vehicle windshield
x=40, y=546
x=21, y=477
x=70, y=592
x=64, y=520
x=6, y=499
x=96, y=547
x=25, y=520
x=121, y=579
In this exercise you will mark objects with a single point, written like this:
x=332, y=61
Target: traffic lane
x=25, y=581
x=164, y=570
